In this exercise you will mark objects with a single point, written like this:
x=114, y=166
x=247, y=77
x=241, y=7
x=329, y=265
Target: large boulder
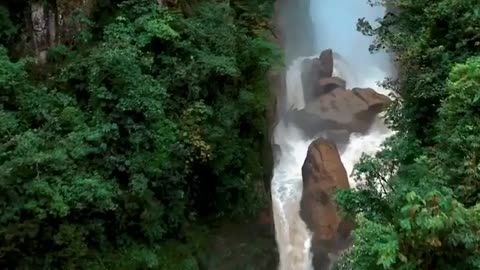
x=340, y=109
x=323, y=173
x=326, y=85
x=322, y=67
x=313, y=70
x=375, y=101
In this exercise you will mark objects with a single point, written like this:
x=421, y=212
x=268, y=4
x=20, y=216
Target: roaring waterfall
x=334, y=24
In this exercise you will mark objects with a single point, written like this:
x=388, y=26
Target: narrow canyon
x=329, y=112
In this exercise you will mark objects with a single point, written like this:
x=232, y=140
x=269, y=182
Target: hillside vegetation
x=419, y=204
x=146, y=125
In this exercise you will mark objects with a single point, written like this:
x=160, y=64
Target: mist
x=335, y=26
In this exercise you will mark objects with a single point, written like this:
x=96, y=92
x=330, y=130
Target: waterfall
x=334, y=26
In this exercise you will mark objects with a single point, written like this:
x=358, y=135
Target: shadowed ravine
x=330, y=115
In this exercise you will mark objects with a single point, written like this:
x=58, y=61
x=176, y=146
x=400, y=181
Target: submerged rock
x=323, y=173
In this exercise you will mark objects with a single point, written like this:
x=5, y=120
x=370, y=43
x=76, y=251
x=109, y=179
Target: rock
x=323, y=173
x=326, y=85
x=313, y=70
x=323, y=65
x=43, y=29
x=340, y=109
x=376, y=102
x=52, y=22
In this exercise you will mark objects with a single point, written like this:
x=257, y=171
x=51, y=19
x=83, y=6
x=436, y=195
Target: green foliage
x=418, y=204
x=432, y=231
x=428, y=38
x=131, y=137
x=461, y=144
x=7, y=28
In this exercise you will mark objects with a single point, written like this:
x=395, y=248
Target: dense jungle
x=136, y=134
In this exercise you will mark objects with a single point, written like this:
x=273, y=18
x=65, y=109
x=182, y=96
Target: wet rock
x=375, y=101
x=314, y=70
x=323, y=173
x=322, y=67
x=340, y=109
x=325, y=85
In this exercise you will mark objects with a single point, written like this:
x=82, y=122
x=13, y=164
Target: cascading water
x=334, y=24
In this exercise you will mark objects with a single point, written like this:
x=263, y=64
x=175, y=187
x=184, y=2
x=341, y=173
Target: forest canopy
x=418, y=205
x=147, y=120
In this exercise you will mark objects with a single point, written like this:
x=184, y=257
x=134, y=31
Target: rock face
x=323, y=173
x=52, y=22
x=43, y=29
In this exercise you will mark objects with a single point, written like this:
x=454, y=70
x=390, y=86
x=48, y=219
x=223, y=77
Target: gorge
x=327, y=115
x=222, y=134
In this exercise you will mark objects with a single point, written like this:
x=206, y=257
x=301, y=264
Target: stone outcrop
x=322, y=67
x=323, y=173
x=314, y=70
x=341, y=109
x=43, y=20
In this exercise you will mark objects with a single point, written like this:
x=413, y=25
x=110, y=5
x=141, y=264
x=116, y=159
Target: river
x=333, y=26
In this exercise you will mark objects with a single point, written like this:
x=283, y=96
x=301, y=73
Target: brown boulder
x=375, y=101
x=326, y=85
x=322, y=67
x=323, y=173
x=313, y=70
x=340, y=109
